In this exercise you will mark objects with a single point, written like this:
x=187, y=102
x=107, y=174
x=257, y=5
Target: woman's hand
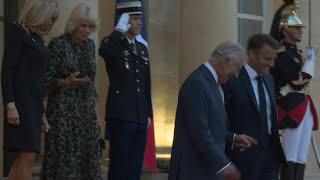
x=13, y=116
x=45, y=124
x=73, y=80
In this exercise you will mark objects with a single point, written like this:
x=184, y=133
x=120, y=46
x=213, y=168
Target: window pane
x=247, y=28
x=254, y=7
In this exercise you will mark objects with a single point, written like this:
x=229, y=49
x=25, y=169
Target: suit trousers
x=257, y=163
x=127, y=145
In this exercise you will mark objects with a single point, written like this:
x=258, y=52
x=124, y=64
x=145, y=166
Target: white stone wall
x=164, y=30
x=314, y=29
x=106, y=13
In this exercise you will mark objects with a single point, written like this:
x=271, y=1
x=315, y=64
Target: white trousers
x=296, y=141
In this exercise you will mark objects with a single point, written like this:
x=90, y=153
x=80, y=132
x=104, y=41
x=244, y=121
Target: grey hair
x=81, y=12
x=228, y=50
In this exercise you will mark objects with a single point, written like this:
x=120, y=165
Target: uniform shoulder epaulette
x=281, y=49
x=117, y=35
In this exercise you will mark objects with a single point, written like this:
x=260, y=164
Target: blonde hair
x=36, y=13
x=78, y=14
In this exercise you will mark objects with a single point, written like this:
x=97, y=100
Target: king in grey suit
x=201, y=134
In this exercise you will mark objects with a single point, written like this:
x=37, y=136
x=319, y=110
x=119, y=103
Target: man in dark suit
x=128, y=107
x=200, y=133
x=251, y=108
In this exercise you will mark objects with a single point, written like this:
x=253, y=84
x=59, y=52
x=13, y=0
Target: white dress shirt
x=215, y=76
x=254, y=82
x=132, y=41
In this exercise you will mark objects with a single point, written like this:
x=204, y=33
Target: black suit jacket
x=243, y=112
x=129, y=94
x=198, y=150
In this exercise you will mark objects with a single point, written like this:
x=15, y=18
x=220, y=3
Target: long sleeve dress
x=24, y=65
x=72, y=143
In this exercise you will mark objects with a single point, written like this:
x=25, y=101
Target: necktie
x=263, y=111
x=132, y=49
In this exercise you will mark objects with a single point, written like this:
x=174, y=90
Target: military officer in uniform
x=292, y=73
x=128, y=107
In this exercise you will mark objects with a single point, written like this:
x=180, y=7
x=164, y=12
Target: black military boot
x=288, y=171
x=299, y=171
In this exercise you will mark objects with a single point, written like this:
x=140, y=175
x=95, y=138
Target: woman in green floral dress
x=72, y=150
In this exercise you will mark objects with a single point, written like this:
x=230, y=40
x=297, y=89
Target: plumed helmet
x=285, y=16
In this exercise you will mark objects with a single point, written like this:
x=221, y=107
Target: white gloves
x=311, y=53
x=309, y=64
x=123, y=23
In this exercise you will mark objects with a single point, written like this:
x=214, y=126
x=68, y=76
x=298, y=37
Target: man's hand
x=13, y=116
x=149, y=121
x=230, y=173
x=243, y=142
x=123, y=23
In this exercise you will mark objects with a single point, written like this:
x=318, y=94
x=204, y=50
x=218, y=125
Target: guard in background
x=292, y=73
x=128, y=107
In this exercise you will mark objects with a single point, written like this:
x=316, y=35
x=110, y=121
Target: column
x=164, y=27
x=106, y=14
x=203, y=25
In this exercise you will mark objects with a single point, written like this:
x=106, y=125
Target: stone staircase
x=159, y=176
x=147, y=175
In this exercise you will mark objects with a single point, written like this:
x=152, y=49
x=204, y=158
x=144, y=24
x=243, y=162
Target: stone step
x=146, y=175
x=164, y=176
